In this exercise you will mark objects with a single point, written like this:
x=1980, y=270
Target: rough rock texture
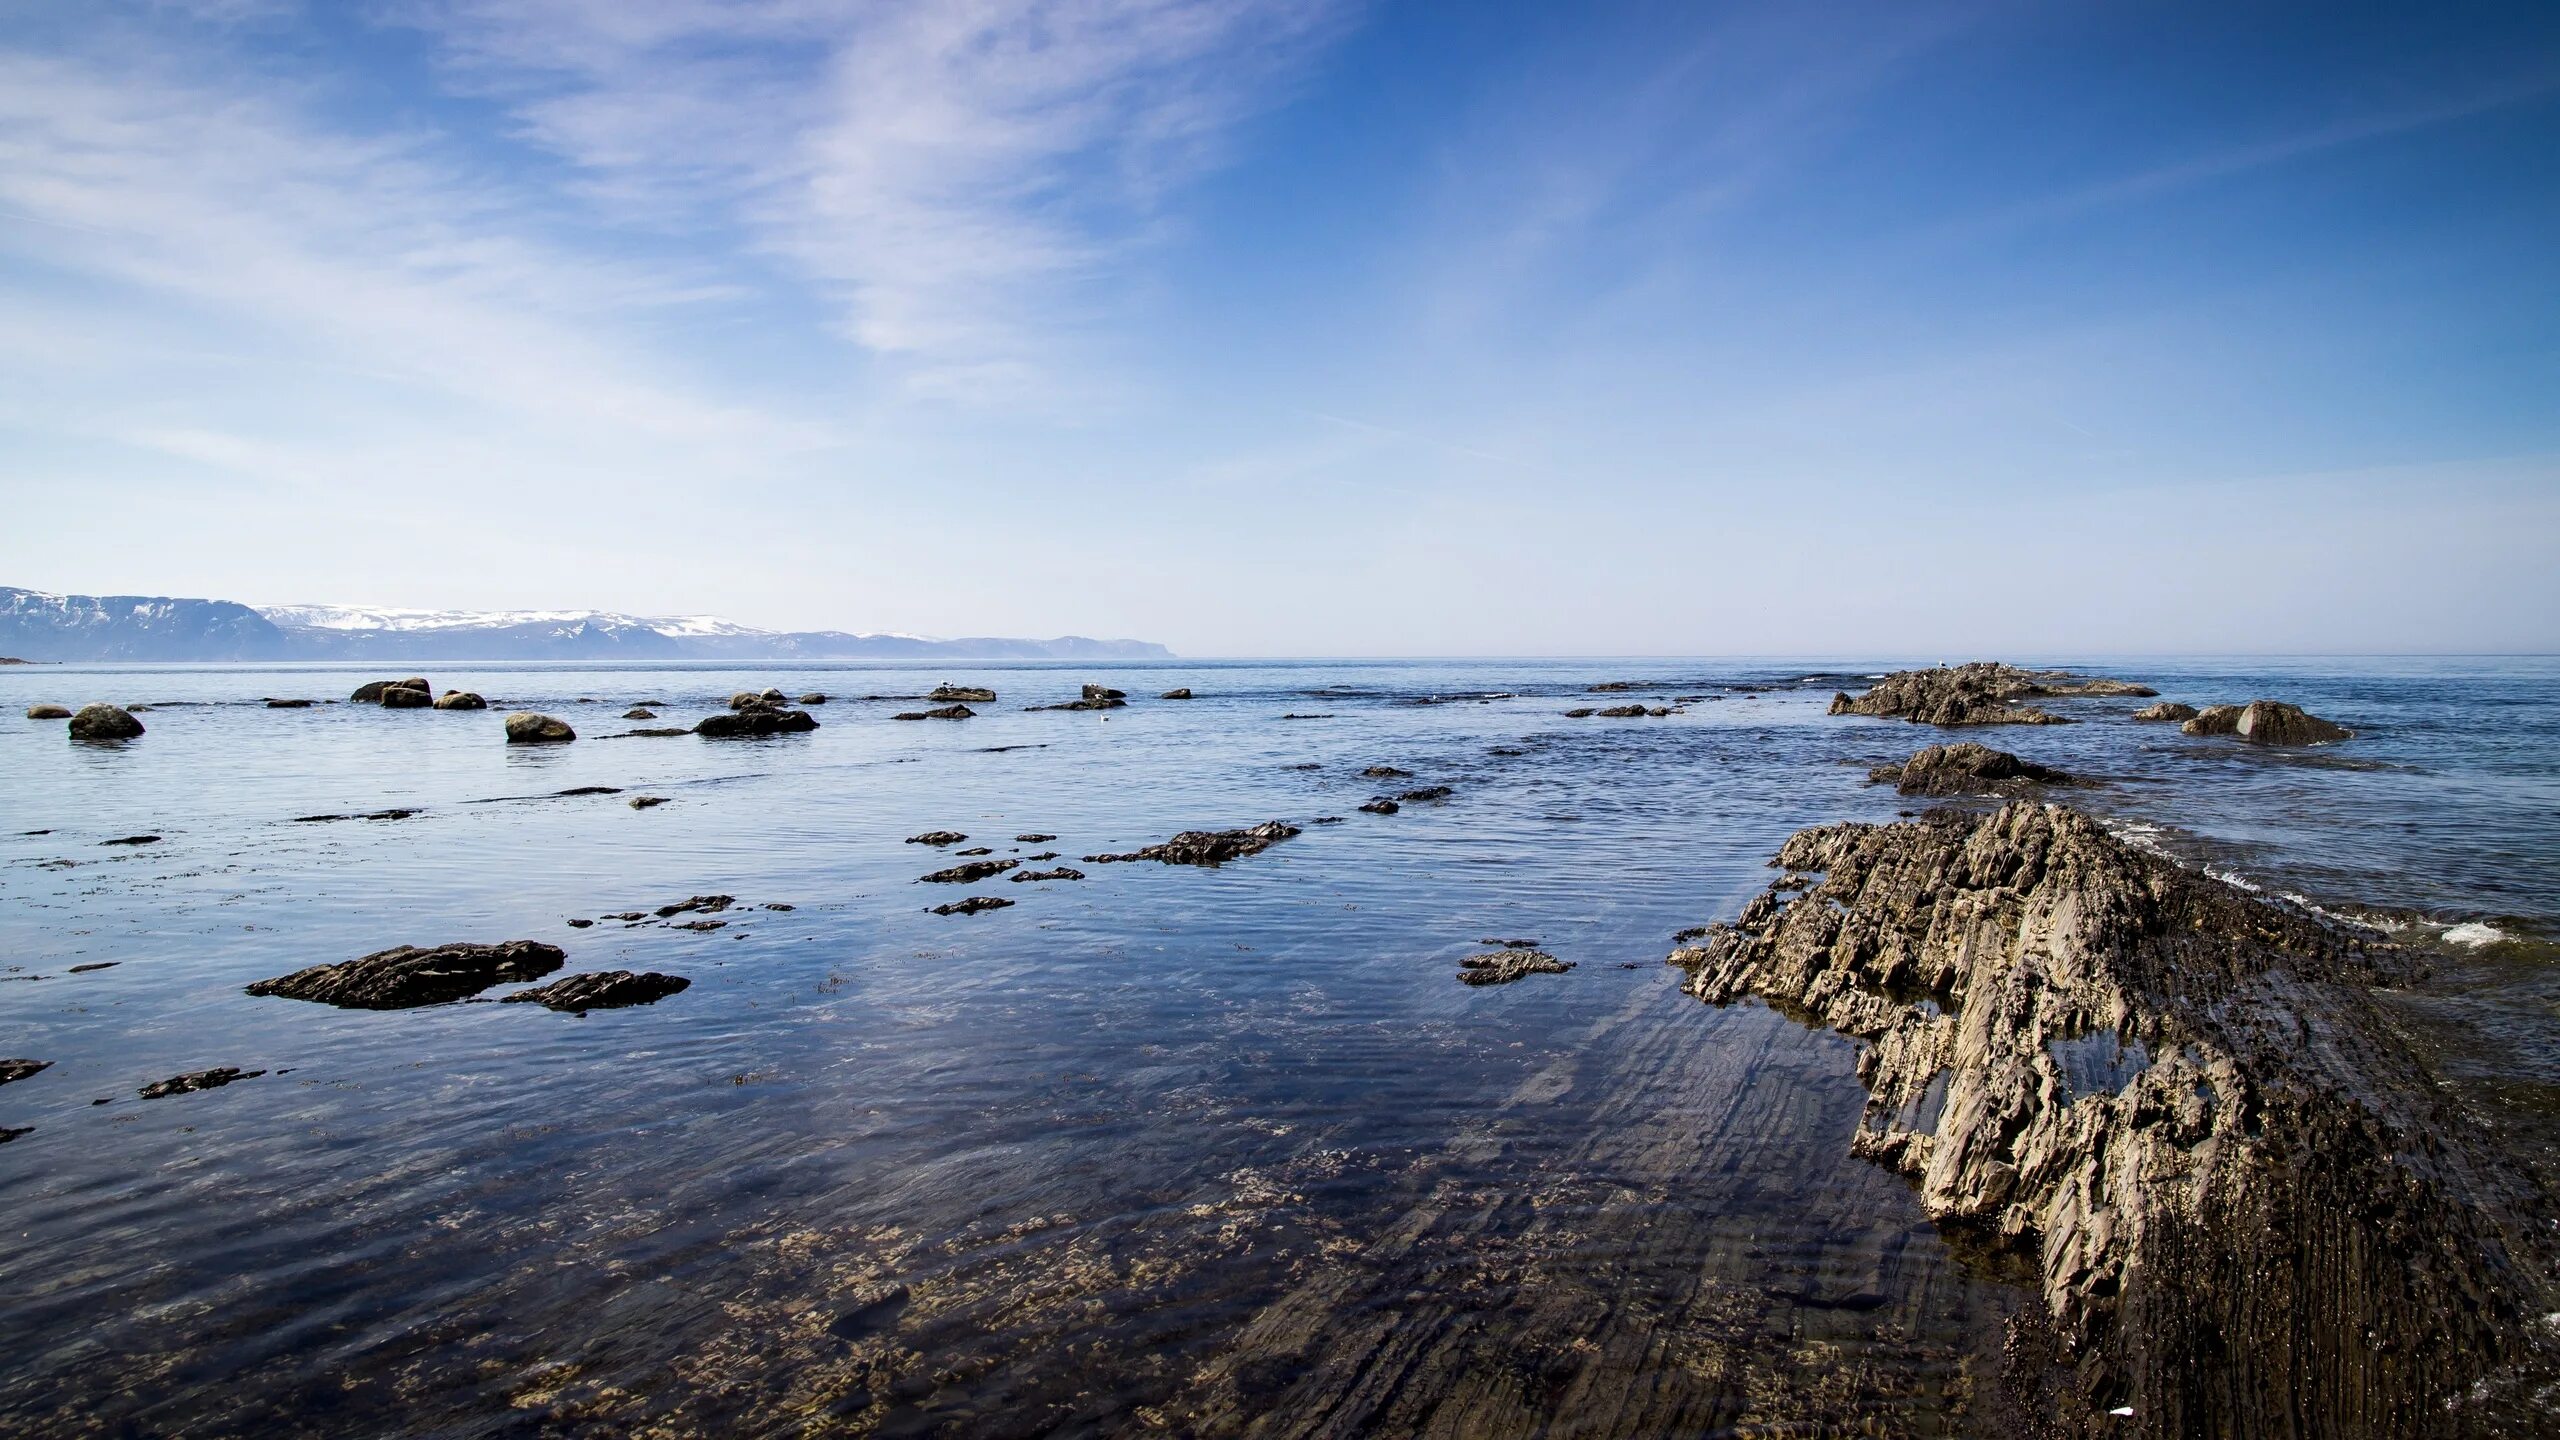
x=1504, y=966
x=407, y=975
x=1386, y=772
x=2266, y=722
x=1966, y=768
x=947, y=712
x=104, y=722
x=1208, y=847
x=460, y=700
x=401, y=697
x=601, y=990
x=2170, y=710
x=969, y=873
x=1063, y=872
x=527, y=728
x=47, y=712
x=957, y=694
x=193, y=1081
x=1030, y=837
x=1379, y=805
x=1178, y=693
x=972, y=905
x=2250, y=1213
x=1104, y=692
x=1622, y=712
x=371, y=692
x=937, y=837
x=759, y=721
x=20, y=1069
x=1427, y=792
x=1977, y=694
x=638, y=712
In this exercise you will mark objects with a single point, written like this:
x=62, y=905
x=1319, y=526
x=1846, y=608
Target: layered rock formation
x=2249, y=1213
x=1208, y=847
x=2266, y=722
x=1982, y=693
x=1966, y=768
x=409, y=975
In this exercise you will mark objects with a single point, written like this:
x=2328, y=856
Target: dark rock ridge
x=1178, y=693
x=1207, y=847
x=408, y=975
x=601, y=990
x=1966, y=768
x=1380, y=805
x=2170, y=710
x=2266, y=722
x=528, y=728
x=937, y=837
x=2181, y=1106
x=1504, y=966
x=20, y=1069
x=947, y=712
x=1095, y=697
x=1977, y=694
x=759, y=721
x=1063, y=872
x=196, y=1080
x=961, y=694
x=104, y=722
x=968, y=874
x=972, y=905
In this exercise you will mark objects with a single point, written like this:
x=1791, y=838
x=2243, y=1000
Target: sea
x=1165, y=1149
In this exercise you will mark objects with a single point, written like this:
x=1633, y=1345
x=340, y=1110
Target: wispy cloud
x=957, y=179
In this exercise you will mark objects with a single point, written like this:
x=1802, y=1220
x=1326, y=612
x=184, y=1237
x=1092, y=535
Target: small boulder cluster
x=753, y=713
x=413, y=693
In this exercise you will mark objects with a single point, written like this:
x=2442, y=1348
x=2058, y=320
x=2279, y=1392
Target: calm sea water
x=1174, y=1149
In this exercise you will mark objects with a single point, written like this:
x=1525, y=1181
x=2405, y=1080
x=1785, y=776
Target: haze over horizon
x=1269, y=328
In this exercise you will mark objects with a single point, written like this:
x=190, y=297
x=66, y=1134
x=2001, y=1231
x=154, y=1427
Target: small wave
x=2474, y=934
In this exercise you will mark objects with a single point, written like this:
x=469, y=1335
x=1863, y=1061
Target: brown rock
x=1967, y=769
x=21, y=1069
x=1208, y=847
x=970, y=873
x=47, y=712
x=956, y=694
x=601, y=990
x=527, y=728
x=2266, y=722
x=1504, y=966
x=973, y=905
x=1179, y=693
x=937, y=837
x=104, y=722
x=760, y=720
x=1977, y=694
x=2170, y=710
x=197, y=1080
x=460, y=700
x=407, y=975
x=947, y=712
x=371, y=692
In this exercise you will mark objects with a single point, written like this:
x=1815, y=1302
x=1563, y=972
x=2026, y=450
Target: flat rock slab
x=408, y=975
x=601, y=990
x=972, y=905
x=193, y=1081
x=748, y=723
x=20, y=1069
x=968, y=874
x=937, y=837
x=1504, y=966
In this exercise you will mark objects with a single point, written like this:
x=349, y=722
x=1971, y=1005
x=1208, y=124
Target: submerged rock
x=759, y=721
x=47, y=712
x=644, y=802
x=132, y=840
x=528, y=728
x=1178, y=693
x=276, y=703
x=1977, y=694
x=1208, y=847
x=656, y=732
x=408, y=975
x=1967, y=769
x=947, y=712
x=1380, y=805
x=460, y=700
x=601, y=990
x=1031, y=837
x=937, y=837
x=955, y=694
x=968, y=874
x=2249, y=1208
x=196, y=1080
x=104, y=722
x=1504, y=966
x=21, y=1069
x=1386, y=772
x=637, y=712
x=1621, y=712
x=972, y=905
x=699, y=904
x=2169, y=710
x=814, y=697
x=1584, y=713
x=1427, y=792
x=1063, y=872
x=2266, y=722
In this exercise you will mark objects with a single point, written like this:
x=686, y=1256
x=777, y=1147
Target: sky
x=1301, y=327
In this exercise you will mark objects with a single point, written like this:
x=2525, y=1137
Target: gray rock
x=639, y=713
x=947, y=712
x=956, y=694
x=601, y=990
x=104, y=722
x=1179, y=693
x=2166, y=710
x=194, y=1081
x=1982, y=693
x=814, y=697
x=527, y=728
x=1504, y=966
x=937, y=837
x=408, y=975
x=2266, y=722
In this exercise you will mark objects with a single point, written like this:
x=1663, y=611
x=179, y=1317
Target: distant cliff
x=39, y=626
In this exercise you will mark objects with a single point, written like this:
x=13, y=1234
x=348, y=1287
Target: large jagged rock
x=2266, y=722
x=1966, y=768
x=1208, y=847
x=2250, y=1212
x=760, y=720
x=527, y=728
x=1981, y=693
x=2166, y=710
x=601, y=990
x=408, y=975
x=1504, y=966
x=104, y=722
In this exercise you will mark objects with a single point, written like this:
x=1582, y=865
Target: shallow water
x=1202, y=1150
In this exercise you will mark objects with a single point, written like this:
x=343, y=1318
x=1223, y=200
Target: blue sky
x=1301, y=328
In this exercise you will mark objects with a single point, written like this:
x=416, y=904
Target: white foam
x=2474, y=934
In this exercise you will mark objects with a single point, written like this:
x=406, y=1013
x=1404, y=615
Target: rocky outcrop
x=601, y=990
x=972, y=905
x=1967, y=769
x=2167, y=710
x=947, y=712
x=1063, y=872
x=1504, y=966
x=638, y=712
x=969, y=873
x=527, y=728
x=372, y=691
x=2266, y=722
x=408, y=975
x=937, y=837
x=962, y=694
x=1982, y=693
x=196, y=1080
x=104, y=722
x=760, y=720
x=1386, y=772
x=1379, y=805
x=47, y=712
x=21, y=1069
x=2178, y=1104
x=1207, y=847
x=460, y=700
x=1178, y=693
x=401, y=697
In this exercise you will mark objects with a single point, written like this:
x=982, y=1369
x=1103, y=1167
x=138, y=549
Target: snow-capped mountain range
x=36, y=625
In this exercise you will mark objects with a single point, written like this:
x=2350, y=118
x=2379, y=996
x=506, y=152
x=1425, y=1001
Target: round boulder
x=460, y=700
x=47, y=712
x=104, y=722
x=401, y=697
x=527, y=728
